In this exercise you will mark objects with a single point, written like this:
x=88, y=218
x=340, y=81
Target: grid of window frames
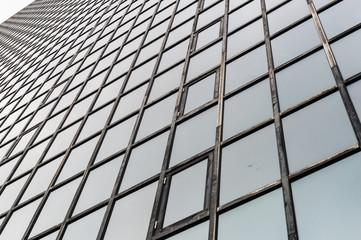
x=181, y=119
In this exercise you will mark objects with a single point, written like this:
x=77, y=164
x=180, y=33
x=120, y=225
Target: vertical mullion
x=215, y=176
x=281, y=147
x=351, y=112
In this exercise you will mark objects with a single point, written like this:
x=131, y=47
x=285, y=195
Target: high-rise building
x=181, y=120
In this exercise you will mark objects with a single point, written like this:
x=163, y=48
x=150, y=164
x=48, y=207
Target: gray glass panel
x=321, y=3
x=235, y=3
x=294, y=83
x=204, y=61
x=246, y=168
x=180, y=32
x=210, y=14
x=166, y=82
x=99, y=185
x=244, y=15
x=108, y=93
x=5, y=170
x=173, y=55
x=348, y=11
x=10, y=193
x=85, y=228
x=116, y=139
x=19, y=222
x=130, y=102
x=245, y=38
x=62, y=141
x=186, y=194
x=121, y=67
x=157, y=116
x=131, y=215
x=149, y=51
x=92, y=84
x=194, y=136
x=51, y=236
x=246, y=68
x=79, y=110
x=42, y=178
x=347, y=52
x=247, y=109
x=327, y=203
x=141, y=74
x=208, y=35
x=317, y=132
x=272, y=3
x=287, y=14
x=200, y=93
x=95, y=122
x=50, y=126
x=199, y=232
x=262, y=218
x=145, y=161
x=184, y=14
x=55, y=207
x=294, y=42
x=31, y=158
x=78, y=159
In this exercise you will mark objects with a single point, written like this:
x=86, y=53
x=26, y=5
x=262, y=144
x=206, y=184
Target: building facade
x=181, y=119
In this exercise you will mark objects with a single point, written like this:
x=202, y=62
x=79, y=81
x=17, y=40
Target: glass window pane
x=198, y=232
x=246, y=68
x=208, y=35
x=31, y=158
x=145, y=161
x=5, y=170
x=173, y=55
x=245, y=38
x=10, y=193
x=327, y=202
x=99, y=185
x=204, y=61
x=347, y=52
x=186, y=194
x=157, y=116
x=116, y=139
x=317, y=132
x=246, y=167
x=78, y=159
x=42, y=179
x=287, y=14
x=210, y=14
x=244, y=15
x=108, y=93
x=55, y=207
x=140, y=74
x=348, y=11
x=293, y=83
x=262, y=218
x=247, y=109
x=166, y=82
x=200, y=93
x=130, y=102
x=62, y=140
x=95, y=122
x=79, y=109
x=194, y=136
x=131, y=215
x=294, y=42
x=86, y=227
x=180, y=32
x=19, y=222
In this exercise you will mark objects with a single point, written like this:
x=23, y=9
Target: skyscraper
x=181, y=119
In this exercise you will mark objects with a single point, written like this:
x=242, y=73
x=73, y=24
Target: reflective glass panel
x=246, y=168
x=131, y=215
x=186, y=194
x=262, y=218
x=194, y=136
x=317, y=132
x=327, y=202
